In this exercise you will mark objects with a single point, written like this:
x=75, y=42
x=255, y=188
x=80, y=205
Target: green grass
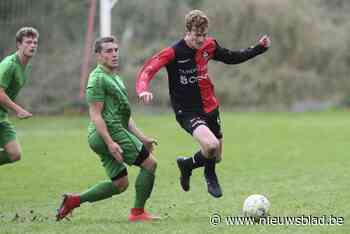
x=300, y=161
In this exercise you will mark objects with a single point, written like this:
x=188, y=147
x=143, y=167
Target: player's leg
x=116, y=172
x=210, y=148
x=208, y=155
x=213, y=122
x=206, y=129
x=143, y=186
x=10, y=153
x=117, y=184
x=145, y=181
x=4, y=157
x=11, y=150
x=106, y=189
x=100, y=191
x=219, y=156
x=189, y=122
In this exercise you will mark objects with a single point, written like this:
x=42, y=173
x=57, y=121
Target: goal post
x=106, y=7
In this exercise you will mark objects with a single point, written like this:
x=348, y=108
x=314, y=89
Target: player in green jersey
x=114, y=136
x=13, y=75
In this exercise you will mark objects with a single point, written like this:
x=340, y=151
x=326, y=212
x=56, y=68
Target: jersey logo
x=191, y=79
x=205, y=55
x=183, y=61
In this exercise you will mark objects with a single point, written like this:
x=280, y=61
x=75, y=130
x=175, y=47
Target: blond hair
x=196, y=19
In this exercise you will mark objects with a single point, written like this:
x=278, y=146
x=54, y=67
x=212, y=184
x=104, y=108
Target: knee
x=122, y=184
x=14, y=157
x=150, y=164
x=212, y=148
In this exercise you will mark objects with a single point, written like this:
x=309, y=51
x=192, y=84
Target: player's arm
x=95, y=96
x=5, y=101
x=148, y=142
x=239, y=56
x=8, y=103
x=95, y=111
x=148, y=71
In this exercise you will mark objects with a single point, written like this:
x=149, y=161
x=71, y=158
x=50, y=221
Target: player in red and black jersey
x=192, y=92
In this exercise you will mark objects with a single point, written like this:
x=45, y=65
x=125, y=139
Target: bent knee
x=15, y=157
x=212, y=147
x=150, y=164
x=122, y=185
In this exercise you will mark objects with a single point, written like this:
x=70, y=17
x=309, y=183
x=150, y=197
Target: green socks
x=100, y=191
x=4, y=158
x=105, y=189
x=143, y=186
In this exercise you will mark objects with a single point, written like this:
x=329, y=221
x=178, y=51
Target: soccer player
x=192, y=92
x=113, y=135
x=13, y=75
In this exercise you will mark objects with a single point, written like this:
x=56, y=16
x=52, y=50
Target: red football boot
x=70, y=201
x=140, y=215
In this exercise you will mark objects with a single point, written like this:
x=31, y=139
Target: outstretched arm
x=147, y=72
x=233, y=57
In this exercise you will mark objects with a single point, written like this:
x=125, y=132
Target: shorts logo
x=183, y=61
x=197, y=121
x=218, y=120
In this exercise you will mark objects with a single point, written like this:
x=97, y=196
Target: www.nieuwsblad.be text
x=303, y=220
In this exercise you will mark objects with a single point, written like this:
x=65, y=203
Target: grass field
x=300, y=161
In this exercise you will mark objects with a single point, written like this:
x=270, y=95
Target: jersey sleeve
x=6, y=74
x=236, y=56
x=151, y=67
x=95, y=91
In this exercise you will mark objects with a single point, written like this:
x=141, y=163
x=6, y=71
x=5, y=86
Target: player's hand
x=146, y=97
x=265, y=41
x=116, y=151
x=23, y=114
x=149, y=143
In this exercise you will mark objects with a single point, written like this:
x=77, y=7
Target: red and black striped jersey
x=190, y=87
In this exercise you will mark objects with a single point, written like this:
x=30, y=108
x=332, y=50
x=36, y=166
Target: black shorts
x=191, y=120
x=143, y=155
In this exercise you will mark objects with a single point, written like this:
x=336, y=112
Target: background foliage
x=306, y=68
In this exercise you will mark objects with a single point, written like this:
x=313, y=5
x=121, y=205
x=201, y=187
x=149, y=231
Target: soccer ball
x=256, y=206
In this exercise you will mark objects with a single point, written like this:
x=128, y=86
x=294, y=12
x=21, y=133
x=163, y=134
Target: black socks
x=198, y=160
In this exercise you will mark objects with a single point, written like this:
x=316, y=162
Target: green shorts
x=7, y=132
x=130, y=145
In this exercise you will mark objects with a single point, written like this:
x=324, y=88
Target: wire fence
x=54, y=82
x=307, y=67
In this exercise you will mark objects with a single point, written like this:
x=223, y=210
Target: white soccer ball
x=256, y=206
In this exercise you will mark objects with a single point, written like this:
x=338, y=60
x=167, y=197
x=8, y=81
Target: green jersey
x=109, y=89
x=13, y=76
